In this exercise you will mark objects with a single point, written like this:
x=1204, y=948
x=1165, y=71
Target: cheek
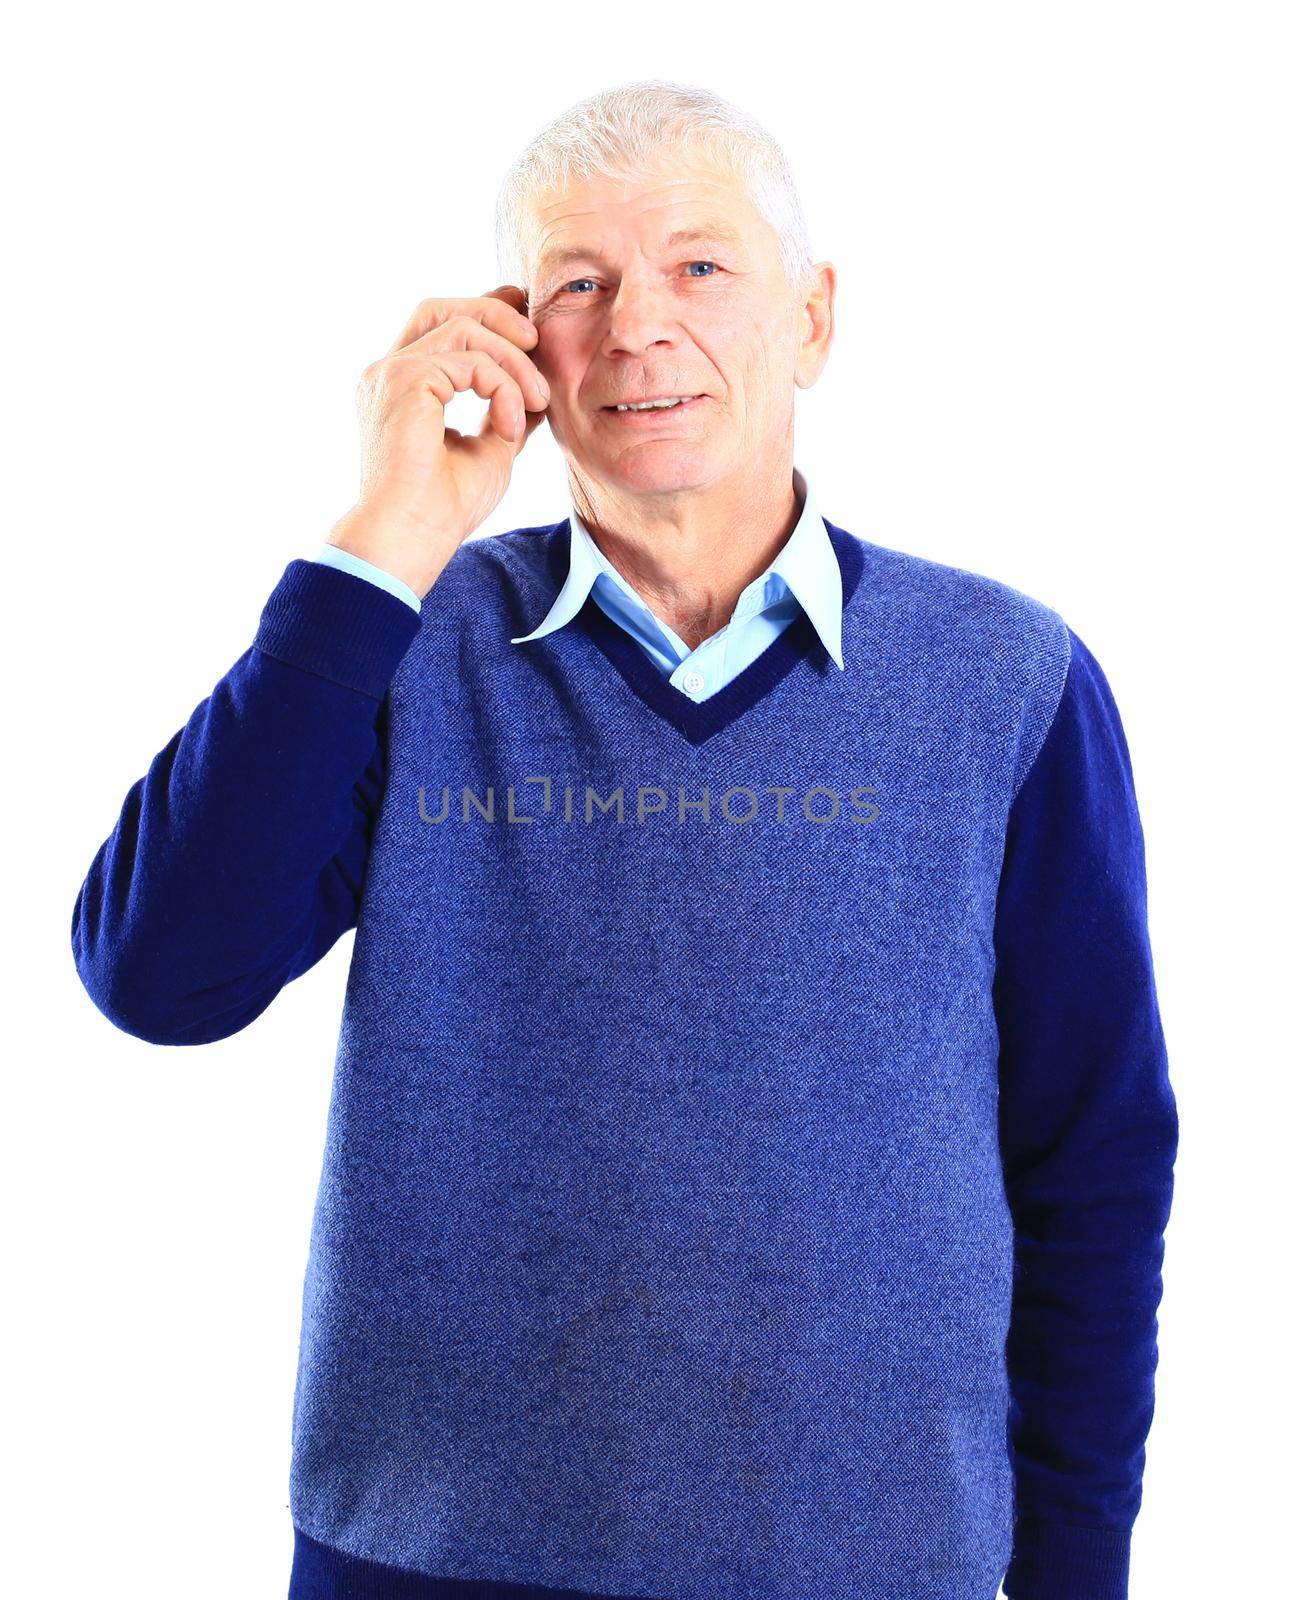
x=557, y=355
x=752, y=349
x=767, y=371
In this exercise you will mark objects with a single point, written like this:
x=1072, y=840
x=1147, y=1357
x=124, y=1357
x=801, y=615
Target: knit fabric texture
x=750, y=1142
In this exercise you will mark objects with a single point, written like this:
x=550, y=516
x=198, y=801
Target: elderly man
x=751, y=1139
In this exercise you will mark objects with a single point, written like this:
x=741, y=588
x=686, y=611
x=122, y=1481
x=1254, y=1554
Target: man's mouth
x=661, y=405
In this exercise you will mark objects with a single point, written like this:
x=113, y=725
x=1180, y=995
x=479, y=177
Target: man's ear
x=816, y=325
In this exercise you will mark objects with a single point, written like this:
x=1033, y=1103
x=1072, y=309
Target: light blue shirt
x=804, y=576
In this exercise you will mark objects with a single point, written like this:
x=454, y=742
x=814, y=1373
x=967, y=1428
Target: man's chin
x=656, y=466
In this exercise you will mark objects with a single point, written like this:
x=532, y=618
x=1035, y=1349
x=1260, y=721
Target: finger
x=512, y=294
x=495, y=311
x=518, y=298
x=465, y=333
x=488, y=437
x=461, y=371
x=532, y=421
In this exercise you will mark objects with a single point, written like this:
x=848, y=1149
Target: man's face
x=624, y=311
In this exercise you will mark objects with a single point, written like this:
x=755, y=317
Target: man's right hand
x=426, y=487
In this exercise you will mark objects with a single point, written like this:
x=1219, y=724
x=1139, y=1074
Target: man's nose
x=640, y=316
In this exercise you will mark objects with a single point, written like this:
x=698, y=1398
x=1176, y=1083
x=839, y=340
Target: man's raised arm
x=237, y=861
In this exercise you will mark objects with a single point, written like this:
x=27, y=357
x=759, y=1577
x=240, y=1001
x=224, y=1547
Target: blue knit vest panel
x=661, y=1246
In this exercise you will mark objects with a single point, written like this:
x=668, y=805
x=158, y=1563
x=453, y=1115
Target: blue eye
x=569, y=286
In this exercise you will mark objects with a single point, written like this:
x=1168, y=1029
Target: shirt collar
x=807, y=566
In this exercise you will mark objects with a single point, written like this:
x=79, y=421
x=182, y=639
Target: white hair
x=632, y=128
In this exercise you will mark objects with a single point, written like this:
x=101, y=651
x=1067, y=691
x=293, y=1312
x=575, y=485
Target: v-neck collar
x=699, y=720
x=804, y=572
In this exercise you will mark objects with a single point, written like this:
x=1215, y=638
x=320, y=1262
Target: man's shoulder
x=912, y=589
x=511, y=570
x=512, y=547
x=522, y=553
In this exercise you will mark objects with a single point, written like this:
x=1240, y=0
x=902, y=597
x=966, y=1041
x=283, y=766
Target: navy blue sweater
x=751, y=1140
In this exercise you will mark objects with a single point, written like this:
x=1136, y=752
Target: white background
x=1060, y=361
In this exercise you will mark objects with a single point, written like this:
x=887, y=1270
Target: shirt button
x=693, y=681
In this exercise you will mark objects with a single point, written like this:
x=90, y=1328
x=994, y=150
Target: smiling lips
x=654, y=406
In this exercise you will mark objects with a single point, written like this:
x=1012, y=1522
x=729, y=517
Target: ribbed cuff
x=346, y=561
x=336, y=625
x=1051, y=1561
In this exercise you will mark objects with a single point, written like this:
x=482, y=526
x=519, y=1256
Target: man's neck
x=689, y=564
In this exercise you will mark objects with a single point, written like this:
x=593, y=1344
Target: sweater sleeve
x=332, y=556
x=237, y=860
x=1088, y=1135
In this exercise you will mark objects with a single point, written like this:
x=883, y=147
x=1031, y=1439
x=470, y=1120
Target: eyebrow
x=711, y=233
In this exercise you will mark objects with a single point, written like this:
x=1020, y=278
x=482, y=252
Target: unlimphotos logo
x=783, y=804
